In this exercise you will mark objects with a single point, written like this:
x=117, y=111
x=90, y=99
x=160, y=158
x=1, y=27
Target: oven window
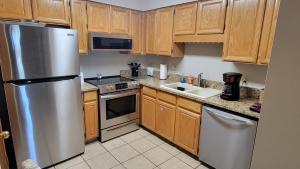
x=120, y=106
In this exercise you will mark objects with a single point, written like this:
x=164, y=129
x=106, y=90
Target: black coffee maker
x=232, y=86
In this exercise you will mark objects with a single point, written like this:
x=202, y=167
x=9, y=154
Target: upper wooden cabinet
x=268, y=31
x=211, y=16
x=51, y=11
x=150, y=32
x=243, y=30
x=15, y=9
x=79, y=22
x=185, y=19
x=137, y=32
x=98, y=17
x=119, y=20
x=159, y=33
x=164, y=43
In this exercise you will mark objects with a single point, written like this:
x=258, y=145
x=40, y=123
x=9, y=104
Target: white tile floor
x=136, y=150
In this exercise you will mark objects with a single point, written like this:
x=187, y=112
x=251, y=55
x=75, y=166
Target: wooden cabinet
x=119, y=21
x=148, y=112
x=91, y=115
x=164, y=33
x=185, y=19
x=159, y=33
x=165, y=119
x=98, y=17
x=211, y=16
x=137, y=32
x=150, y=32
x=174, y=118
x=15, y=9
x=243, y=30
x=51, y=11
x=268, y=31
x=187, y=127
x=148, y=108
x=3, y=156
x=79, y=22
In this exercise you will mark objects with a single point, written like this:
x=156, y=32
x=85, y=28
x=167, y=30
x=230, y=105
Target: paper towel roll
x=163, y=72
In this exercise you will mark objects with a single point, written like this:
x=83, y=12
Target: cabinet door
x=136, y=32
x=91, y=120
x=98, y=17
x=148, y=112
x=165, y=120
x=211, y=16
x=79, y=22
x=187, y=130
x=165, y=22
x=15, y=9
x=268, y=32
x=185, y=19
x=51, y=11
x=3, y=156
x=151, y=32
x=119, y=20
x=243, y=30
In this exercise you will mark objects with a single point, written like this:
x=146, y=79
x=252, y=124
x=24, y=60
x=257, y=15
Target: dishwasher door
x=226, y=140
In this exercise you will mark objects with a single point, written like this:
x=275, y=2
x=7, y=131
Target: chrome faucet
x=201, y=82
x=99, y=76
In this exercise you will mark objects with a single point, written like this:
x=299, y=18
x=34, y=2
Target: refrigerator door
x=226, y=140
x=46, y=120
x=30, y=52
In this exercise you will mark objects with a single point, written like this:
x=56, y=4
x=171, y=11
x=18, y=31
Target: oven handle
x=118, y=95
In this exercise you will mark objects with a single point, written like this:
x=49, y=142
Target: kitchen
x=182, y=108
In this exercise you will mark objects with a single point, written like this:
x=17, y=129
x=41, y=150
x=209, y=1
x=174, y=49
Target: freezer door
x=29, y=52
x=46, y=120
x=226, y=140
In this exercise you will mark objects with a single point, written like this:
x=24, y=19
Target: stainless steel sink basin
x=194, y=91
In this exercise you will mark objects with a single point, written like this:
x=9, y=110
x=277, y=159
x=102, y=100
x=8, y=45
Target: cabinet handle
x=4, y=135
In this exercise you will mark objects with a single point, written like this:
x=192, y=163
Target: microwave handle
x=114, y=96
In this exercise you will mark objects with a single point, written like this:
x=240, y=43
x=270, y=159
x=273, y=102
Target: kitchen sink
x=195, y=91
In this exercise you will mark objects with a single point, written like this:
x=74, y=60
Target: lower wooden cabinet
x=187, y=130
x=176, y=119
x=91, y=123
x=148, y=112
x=165, y=119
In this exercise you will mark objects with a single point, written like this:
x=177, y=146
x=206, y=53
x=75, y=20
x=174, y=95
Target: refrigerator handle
x=229, y=118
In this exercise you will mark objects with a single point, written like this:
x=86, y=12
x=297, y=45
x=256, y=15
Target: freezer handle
x=222, y=116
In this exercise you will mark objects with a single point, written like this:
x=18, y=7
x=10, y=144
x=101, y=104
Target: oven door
x=118, y=108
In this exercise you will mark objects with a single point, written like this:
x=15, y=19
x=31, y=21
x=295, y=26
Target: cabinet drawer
x=90, y=96
x=189, y=105
x=150, y=92
x=169, y=98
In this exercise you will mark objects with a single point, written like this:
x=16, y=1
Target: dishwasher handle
x=223, y=116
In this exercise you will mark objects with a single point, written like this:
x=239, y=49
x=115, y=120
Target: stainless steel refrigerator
x=39, y=69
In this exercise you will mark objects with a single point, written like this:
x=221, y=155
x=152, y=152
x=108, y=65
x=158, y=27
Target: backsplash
x=245, y=92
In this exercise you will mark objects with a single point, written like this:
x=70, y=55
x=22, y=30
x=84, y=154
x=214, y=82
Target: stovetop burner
x=111, y=84
x=108, y=80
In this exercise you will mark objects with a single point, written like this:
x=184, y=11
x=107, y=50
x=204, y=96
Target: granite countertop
x=88, y=87
x=241, y=106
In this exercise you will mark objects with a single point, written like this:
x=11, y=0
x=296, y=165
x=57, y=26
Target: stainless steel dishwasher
x=226, y=140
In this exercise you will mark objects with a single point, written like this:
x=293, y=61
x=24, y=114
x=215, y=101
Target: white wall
x=206, y=58
x=278, y=134
x=110, y=63
x=133, y=4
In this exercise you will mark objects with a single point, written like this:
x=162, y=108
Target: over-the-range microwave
x=108, y=42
